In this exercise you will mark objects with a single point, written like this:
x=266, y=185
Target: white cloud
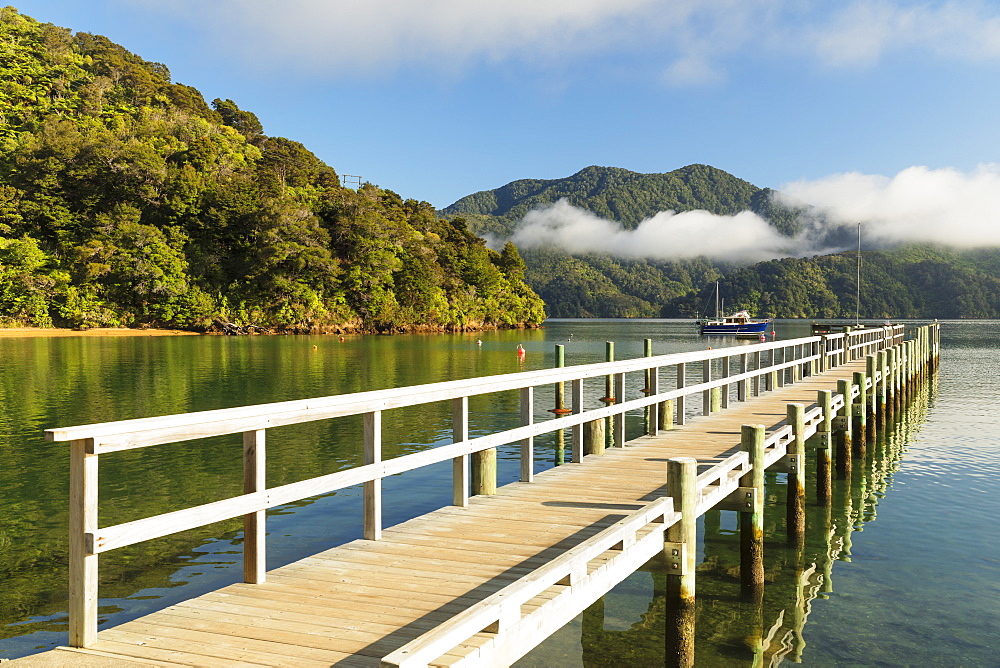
x=918, y=204
x=744, y=237
x=691, y=40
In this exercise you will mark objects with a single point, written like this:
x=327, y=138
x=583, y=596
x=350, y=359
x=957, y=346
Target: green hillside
x=916, y=281
x=910, y=282
x=127, y=200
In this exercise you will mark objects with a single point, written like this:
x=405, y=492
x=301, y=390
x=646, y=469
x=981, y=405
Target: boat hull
x=732, y=329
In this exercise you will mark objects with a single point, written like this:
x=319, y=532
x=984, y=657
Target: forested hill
x=623, y=196
x=909, y=282
x=127, y=200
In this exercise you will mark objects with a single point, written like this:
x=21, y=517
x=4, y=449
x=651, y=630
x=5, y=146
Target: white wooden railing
x=751, y=369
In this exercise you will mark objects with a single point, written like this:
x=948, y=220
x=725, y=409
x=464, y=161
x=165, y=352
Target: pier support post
x=594, y=437
x=871, y=410
x=666, y=410
x=796, y=501
x=881, y=395
x=824, y=434
x=682, y=487
x=752, y=519
x=484, y=472
x=842, y=431
x=82, y=564
x=859, y=418
x=254, y=533
x=891, y=407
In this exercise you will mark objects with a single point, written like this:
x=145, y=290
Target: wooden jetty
x=483, y=581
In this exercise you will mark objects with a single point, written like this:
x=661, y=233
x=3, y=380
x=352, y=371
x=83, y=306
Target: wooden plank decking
x=353, y=604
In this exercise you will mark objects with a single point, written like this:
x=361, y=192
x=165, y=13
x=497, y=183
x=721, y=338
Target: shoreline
x=39, y=332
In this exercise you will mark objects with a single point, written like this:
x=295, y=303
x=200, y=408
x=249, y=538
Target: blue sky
x=441, y=98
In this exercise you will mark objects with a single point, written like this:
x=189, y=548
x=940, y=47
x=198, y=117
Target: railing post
x=824, y=486
x=755, y=383
x=609, y=394
x=254, y=530
x=824, y=347
x=577, y=391
x=619, y=420
x=682, y=486
x=796, y=457
x=752, y=520
x=527, y=444
x=460, y=464
x=650, y=413
x=724, y=390
x=741, y=386
x=373, y=488
x=681, y=382
x=706, y=395
x=82, y=563
x=843, y=430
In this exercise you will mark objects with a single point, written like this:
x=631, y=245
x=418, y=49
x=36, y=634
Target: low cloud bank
x=745, y=237
x=918, y=205
x=943, y=206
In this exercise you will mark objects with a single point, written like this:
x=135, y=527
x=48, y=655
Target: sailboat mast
x=857, y=299
x=716, y=300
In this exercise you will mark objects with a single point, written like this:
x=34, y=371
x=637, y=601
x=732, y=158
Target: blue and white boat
x=737, y=324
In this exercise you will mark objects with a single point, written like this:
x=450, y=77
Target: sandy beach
x=31, y=332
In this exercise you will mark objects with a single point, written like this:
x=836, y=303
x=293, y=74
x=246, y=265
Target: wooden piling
x=859, y=417
x=842, y=431
x=752, y=519
x=796, y=500
x=824, y=435
x=681, y=548
x=594, y=437
x=484, y=472
x=882, y=397
x=871, y=411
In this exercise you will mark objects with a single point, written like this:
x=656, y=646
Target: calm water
x=902, y=570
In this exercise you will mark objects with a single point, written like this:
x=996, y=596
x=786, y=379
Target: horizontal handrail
x=143, y=432
x=503, y=608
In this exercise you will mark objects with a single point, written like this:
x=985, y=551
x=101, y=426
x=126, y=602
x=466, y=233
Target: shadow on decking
x=405, y=634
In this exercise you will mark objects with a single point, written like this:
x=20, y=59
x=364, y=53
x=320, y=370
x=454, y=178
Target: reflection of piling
x=680, y=548
x=752, y=517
